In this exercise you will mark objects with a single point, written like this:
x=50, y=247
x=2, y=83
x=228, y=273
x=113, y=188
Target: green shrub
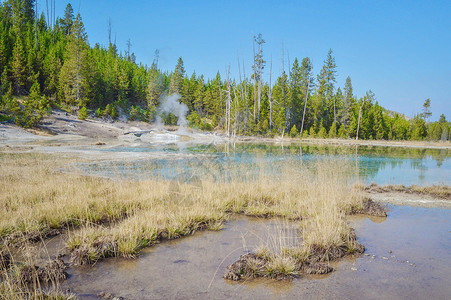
x=293, y=131
x=322, y=132
x=137, y=113
x=311, y=132
x=99, y=112
x=83, y=113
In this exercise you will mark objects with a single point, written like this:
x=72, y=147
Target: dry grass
x=119, y=217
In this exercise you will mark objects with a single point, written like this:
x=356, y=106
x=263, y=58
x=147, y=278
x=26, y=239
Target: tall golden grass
x=118, y=217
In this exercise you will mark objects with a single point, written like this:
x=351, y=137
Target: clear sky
x=401, y=50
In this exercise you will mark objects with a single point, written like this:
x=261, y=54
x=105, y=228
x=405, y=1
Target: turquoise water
x=382, y=165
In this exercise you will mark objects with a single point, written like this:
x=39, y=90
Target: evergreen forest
x=47, y=63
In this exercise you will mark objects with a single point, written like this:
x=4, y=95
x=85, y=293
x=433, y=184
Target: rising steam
x=171, y=104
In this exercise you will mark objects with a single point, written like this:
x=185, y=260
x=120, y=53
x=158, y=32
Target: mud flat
x=417, y=196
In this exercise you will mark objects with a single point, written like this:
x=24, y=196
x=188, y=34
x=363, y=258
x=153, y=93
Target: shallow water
x=382, y=165
x=192, y=267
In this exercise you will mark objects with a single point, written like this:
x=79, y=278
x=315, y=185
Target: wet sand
x=412, y=200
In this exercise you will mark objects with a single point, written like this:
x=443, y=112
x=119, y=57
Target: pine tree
x=348, y=102
x=342, y=132
x=311, y=132
x=73, y=79
x=326, y=90
x=293, y=131
x=34, y=108
x=322, y=132
x=296, y=95
x=307, y=86
x=427, y=109
x=83, y=113
x=177, y=78
x=68, y=20
x=5, y=83
x=154, y=89
x=18, y=67
x=199, y=95
x=332, y=131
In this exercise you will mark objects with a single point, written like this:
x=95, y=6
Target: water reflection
x=383, y=165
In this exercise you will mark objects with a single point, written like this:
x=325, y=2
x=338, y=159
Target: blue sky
x=398, y=49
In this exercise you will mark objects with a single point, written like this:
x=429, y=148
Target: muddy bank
x=370, y=208
x=345, y=142
x=436, y=191
x=418, y=196
x=33, y=281
x=53, y=272
x=412, y=200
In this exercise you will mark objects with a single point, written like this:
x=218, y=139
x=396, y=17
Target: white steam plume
x=171, y=104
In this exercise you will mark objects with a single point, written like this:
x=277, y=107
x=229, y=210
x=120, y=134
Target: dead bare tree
x=246, y=117
x=236, y=113
x=358, y=123
x=259, y=65
x=129, y=45
x=36, y=25
x=255, y=77
x=228, y=102
x=270, y=97
x=306, y=99
x=109, y=31
x=47, y=8
x=53, y=22
x=241, y=93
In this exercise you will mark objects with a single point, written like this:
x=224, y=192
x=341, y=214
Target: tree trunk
x=358, y=123
x=305, y=103
x=270, y=97
x=255, y=77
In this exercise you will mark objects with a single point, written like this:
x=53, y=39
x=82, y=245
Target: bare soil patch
x=437, y=191
x=371, y=208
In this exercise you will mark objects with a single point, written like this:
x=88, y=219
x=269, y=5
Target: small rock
x=392, y=256
x=390, y=251
x=373, y=257
x=383, y=257
x=354, y=269
x=402, y=261
x=366, y=254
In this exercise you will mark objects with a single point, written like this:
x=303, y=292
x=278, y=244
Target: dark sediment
x=5, y=260
x=53, y=272
x=317, y=268
x=251, y=265
x=371, y=208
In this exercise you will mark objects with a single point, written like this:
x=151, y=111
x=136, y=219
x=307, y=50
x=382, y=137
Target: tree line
x=49, y=64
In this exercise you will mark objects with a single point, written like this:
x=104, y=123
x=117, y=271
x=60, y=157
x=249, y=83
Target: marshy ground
x=62, y=216
x=106, y=217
